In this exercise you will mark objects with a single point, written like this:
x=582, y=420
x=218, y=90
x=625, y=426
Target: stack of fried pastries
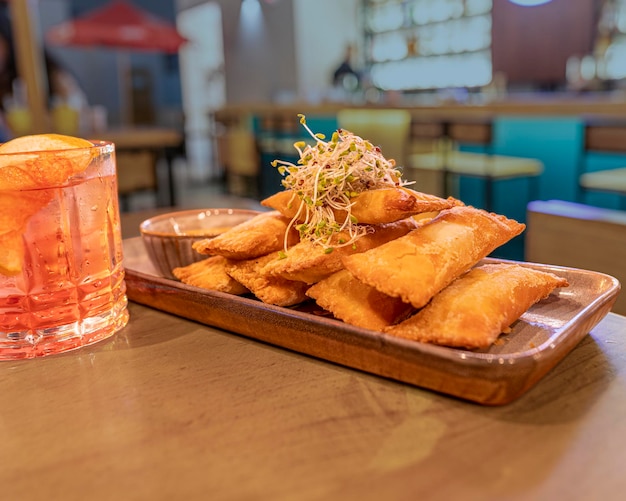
x=415, y=274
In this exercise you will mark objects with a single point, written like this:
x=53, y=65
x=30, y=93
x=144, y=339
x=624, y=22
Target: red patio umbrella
x=118, y=24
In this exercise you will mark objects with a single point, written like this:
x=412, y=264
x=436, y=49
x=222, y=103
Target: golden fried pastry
x=418, y=265
x=379, y=206
x=256, y=237
x=388, y=205
x=473, y=310
x=425, y=217
x=210, y=274
x=310, y=262
x=269, y=289
x=358, y=304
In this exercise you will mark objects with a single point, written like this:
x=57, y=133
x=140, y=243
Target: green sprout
x=326, y=179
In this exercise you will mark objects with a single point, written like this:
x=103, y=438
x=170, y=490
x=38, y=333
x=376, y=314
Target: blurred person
x=345, y=75
x=62, y=87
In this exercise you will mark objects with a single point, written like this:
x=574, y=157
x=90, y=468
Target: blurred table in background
x=138, y=150
x=579, y=236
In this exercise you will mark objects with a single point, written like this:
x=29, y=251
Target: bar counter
x=593, y=104
x=171, y=409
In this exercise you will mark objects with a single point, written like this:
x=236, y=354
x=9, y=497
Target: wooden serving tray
x=538, y=341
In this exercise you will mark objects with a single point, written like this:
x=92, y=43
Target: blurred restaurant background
x=516, y=106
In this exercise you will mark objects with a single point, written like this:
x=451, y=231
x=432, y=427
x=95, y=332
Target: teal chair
x=555, y=141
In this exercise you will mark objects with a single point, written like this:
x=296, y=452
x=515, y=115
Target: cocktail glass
x=61, y=273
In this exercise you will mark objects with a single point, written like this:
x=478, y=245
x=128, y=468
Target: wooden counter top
x=609, y=106
x=142, y=137
x=171, y=409
x=604, y=118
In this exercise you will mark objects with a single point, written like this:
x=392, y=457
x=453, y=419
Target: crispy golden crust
x=355, y=303
x=386, y=206
x=309, y=262
x=371, y=207
x=473, y=310
x=256, y=237
x=418, y=265
x=269, y=289
x=210, y=274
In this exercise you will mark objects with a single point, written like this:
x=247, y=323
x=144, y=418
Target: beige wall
x=323, y=30
x=292, y=54
x=259, y=61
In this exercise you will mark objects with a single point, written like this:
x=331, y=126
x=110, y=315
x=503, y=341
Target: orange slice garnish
x=43, y=142
x=12, y=246
x=58, y=158
x=55, y=162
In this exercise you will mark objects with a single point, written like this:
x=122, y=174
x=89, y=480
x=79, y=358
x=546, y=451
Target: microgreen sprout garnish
x=327, y=177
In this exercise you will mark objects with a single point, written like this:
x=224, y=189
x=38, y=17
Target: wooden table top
x=171, y=409
x=141, y=137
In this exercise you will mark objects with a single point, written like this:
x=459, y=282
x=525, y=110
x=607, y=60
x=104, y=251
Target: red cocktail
x=61, y=274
